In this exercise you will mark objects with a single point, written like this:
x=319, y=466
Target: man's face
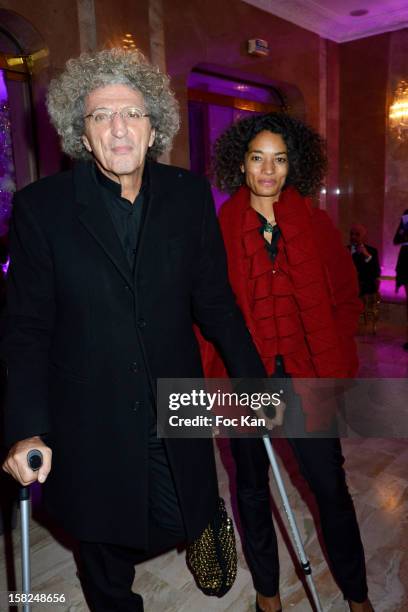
x=119, y=146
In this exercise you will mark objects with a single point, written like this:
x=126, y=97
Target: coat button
x=141, y=323
x=134, y=367
x=136, y=405
x=128, y=287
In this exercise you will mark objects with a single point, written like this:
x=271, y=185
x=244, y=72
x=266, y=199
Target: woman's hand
x=276, y=420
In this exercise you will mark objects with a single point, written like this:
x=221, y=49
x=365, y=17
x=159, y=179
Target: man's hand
x=16, y=462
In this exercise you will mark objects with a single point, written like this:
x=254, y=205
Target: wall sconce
x=24, y=63
x=398, y=113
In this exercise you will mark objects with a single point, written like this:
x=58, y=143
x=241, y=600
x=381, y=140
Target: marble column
x=87, y=25
x=396, y=159
x=157, y=45
x=333, y=131
x=323, y=102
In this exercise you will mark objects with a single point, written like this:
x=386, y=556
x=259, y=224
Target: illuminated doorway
x=20, y=48
x=215, y=101
x=18, y=164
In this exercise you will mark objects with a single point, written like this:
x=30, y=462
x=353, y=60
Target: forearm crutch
x=304, y=561
x=34, y=460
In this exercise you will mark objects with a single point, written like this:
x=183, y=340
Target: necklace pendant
x=268, y=228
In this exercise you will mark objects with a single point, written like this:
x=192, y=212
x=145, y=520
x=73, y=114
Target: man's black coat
x=76, y=317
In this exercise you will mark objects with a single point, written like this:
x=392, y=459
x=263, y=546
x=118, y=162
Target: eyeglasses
x=104, y=116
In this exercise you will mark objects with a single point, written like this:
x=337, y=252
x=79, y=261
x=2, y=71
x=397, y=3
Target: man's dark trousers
x=107, y=571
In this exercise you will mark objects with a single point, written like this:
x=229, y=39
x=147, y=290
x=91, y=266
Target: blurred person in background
x=401, y=238
x=365, y=259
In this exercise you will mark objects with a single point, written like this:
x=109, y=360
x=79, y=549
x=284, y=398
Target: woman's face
x=266, y=165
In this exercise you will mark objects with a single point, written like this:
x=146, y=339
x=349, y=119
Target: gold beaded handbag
x=212, y=558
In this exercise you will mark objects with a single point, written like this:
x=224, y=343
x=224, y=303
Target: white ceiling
x=332, y=19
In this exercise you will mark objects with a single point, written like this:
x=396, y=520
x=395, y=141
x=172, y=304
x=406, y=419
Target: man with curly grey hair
x=111, y=264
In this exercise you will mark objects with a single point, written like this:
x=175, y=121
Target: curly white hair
x=67, y=94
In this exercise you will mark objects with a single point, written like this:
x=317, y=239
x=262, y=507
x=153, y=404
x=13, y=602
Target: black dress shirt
x=126, y=216
x=272, y=246
x=127, y=219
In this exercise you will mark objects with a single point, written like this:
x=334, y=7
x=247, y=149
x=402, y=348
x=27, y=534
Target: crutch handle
x=35, y=459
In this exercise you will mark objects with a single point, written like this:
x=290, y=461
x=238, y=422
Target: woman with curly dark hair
x=296, y=286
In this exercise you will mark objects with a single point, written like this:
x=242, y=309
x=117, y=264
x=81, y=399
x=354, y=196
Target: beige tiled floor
x=378, y=480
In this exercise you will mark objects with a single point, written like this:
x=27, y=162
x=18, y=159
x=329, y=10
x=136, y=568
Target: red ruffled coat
x=305, y=305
